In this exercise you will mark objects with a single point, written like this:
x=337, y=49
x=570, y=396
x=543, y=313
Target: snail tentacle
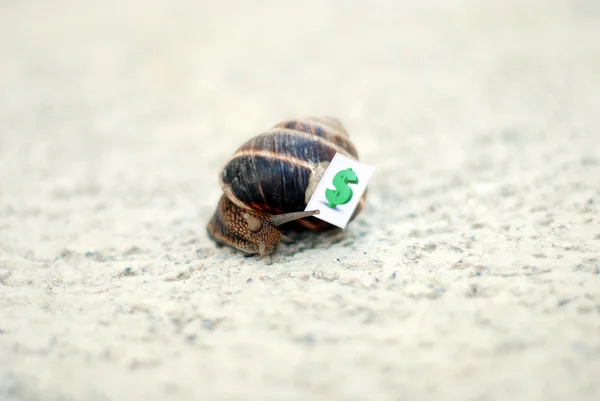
x=279, y=219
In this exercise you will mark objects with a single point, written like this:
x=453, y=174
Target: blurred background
x=480, y=118
x=106, y=79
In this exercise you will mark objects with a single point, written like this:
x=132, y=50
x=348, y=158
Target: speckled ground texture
x=472, y=274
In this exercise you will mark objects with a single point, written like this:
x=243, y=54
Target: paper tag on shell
x=339, y=191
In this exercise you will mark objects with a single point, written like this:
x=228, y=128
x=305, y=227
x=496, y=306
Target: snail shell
x=276, y=173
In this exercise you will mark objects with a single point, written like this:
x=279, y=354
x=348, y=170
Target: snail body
x=270, y=179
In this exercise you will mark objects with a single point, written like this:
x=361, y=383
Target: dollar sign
x=342, y=192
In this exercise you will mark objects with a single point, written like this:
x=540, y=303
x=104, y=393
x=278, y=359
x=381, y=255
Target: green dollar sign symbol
x=342, y=192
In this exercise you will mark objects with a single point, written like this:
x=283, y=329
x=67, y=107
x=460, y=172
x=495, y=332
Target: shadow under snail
x=270, y=179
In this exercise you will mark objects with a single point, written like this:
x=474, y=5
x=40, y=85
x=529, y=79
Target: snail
x=270, y=179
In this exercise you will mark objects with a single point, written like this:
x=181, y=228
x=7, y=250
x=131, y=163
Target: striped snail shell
x=270, y=179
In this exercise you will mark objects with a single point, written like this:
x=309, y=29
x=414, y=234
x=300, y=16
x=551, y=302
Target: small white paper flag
x=340, y=190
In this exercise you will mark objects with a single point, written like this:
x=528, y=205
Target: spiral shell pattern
x=270, y=173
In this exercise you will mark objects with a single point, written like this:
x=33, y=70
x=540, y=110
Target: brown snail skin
x=270, y=179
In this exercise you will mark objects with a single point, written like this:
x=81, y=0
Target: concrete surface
x=472, y=274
